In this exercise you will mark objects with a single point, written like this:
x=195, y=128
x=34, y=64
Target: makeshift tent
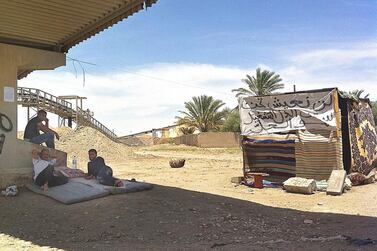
x=307, y=134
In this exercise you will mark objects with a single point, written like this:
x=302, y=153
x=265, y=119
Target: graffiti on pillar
x=6, y=125
x=2, y=141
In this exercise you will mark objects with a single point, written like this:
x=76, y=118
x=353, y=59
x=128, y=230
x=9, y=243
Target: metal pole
x=77, y=114
x=294, y=88
x=37, y=100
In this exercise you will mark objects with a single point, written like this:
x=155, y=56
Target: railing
x=40, y=99
x=95, y=123
x=38, y=96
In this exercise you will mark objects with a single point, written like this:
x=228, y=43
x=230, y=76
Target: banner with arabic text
x=287, y=112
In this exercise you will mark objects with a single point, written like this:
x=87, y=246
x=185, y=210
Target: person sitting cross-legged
x=99, y=170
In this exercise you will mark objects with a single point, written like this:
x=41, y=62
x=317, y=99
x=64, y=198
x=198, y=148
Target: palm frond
x=263, y=83
x=202, y=112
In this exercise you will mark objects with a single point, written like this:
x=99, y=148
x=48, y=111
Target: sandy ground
x=194, y=207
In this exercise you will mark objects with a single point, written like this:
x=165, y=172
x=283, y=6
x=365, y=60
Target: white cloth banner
x=286, y=112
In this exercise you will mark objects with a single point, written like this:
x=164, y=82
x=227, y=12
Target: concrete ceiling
x=58, y=25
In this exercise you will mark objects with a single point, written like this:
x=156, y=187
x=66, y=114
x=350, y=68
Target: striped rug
x=317, y=154
x=273, y=154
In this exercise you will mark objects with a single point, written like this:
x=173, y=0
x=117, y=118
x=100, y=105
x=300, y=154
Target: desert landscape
x=195, y=207
x=150, y=82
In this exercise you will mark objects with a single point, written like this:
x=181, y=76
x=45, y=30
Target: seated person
x=99, y=170
x=40, y=123
x=44, y=170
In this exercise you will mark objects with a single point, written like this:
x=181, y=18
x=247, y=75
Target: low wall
x=137, y=140
x=190, y=140
x=210, y=139
x=21, y=171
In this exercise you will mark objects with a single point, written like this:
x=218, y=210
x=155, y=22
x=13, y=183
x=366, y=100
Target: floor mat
x=129, y=186
x=70, y=193
x=81, y=189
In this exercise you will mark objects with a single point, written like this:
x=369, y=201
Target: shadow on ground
x=173, y=218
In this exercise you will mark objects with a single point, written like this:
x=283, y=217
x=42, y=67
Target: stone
x=306, y=221
x=177, y=163
x=347, y=184
x=300, y=185
x=236, y=180
x=336, y=182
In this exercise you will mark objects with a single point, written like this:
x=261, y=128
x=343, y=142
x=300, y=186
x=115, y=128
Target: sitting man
x=98, y=169
x=44, y=170
x=35, y=125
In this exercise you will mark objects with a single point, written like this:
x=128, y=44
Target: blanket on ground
x=80, y=189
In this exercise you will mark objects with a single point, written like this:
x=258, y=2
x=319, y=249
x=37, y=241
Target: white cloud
x=146, y=98
x=348, y=66
x=150, y=96
x=347, y=55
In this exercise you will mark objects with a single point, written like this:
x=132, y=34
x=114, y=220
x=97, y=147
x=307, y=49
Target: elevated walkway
x=38, y=99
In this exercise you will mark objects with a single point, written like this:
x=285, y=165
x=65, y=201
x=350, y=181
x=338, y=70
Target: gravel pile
x=77, y=143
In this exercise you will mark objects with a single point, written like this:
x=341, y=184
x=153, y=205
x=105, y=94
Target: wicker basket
x=177, y=163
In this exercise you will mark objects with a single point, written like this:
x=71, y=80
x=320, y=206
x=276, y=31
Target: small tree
x=232, y=122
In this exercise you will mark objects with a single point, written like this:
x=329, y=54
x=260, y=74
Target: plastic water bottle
x=74, y=162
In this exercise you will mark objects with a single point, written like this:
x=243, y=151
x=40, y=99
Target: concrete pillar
x=15, y=158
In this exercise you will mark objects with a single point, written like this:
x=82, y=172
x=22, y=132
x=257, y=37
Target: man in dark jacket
x=99, y=170
x=95, y=163
x=37, y=124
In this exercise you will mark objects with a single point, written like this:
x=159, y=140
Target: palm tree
x=202, y=113
x=357, y=93
x=265, y=83
x=187, y=130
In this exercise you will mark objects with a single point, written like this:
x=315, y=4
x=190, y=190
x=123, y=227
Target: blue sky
x=238, y=32
x=148, y=65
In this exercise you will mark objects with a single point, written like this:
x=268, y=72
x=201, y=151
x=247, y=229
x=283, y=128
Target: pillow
x=71, y=173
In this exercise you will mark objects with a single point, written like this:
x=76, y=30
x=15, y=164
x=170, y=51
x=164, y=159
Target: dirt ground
x=194, y=208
